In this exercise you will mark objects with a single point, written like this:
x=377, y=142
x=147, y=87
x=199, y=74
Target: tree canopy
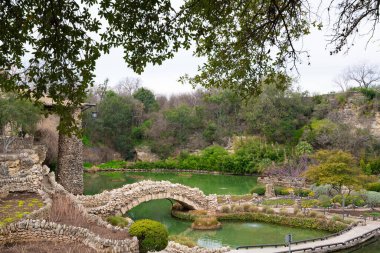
x=50, y=48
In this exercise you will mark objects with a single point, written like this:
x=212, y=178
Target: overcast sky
x=316, y=78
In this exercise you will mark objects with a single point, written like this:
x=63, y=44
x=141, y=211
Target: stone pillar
x=269, y=191
x=70, y=162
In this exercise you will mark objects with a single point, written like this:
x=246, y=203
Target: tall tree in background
x=147, y=98
x=49, y=48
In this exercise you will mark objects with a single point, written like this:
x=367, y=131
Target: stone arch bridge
x=121, y=200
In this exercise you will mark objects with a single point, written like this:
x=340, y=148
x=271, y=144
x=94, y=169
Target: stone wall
x=283, y=181
x=18, y=144
x=174, y=247
x=23, y=170
x=32, y=230
x=119, y=201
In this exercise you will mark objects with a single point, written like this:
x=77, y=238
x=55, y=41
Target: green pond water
x=232, y=233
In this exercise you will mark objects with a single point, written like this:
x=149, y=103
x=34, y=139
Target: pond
x=218, y=184
x=232, y=233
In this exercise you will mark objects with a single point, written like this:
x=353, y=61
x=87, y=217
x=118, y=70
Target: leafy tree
x=20, y=116
x=147, y=98
x=114, y=124
x=336, y=168
x=48, y=48
x=279, y=115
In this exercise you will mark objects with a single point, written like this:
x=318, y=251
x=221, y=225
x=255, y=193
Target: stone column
x=70, y=162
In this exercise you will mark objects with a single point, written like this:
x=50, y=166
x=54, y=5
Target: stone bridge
x=121, y=200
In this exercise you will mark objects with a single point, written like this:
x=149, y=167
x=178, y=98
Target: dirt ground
x=17, y=204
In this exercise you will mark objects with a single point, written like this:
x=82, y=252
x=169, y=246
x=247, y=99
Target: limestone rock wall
x=283, y=181
x=18, y=144
x=178, y=248
x=22, y=170
x=30, y=230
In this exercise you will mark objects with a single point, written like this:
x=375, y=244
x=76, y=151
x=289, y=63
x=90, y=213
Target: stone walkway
x=355, y=232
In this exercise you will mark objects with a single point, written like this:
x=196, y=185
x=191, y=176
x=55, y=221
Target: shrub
x=259, y=190
x=112, y=165
x=283, y=211
x=246, y=207
x=313, y=214
x=87, y=165
x=281, y=191
x=152, y=235
x=119, y=221
x=375, y=187
x=226, y=209
x=302, y=192
x=337, y=218
x=184, y=240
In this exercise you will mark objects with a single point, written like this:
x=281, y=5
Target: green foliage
x=152, y=235
x=369, y=93
x=113, y=165
x=279, y=115
x=184, y=240
x=373, y=187
x=293, y=221
x=118, y=221
x=147, y=98
x=372, y=198
x=259, y=190
x=282, y=191
x=278, y=202
x=87, y=165
x=249, y=157
x=20, y=115
x=302, y=192
x=114, y=124
x=336, y=168
x=303, y=148
x=86, y=141
x=324, y=201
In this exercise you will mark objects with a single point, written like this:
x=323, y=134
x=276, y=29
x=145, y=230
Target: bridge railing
x=297, y=242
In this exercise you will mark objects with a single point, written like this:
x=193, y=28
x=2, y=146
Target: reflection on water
x=219, y=184
x=232, y=233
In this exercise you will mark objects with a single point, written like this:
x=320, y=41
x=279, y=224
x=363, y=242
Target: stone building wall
x=23, y=170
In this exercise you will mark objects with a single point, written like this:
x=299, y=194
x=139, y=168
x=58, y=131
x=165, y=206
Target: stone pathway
x=355, y=232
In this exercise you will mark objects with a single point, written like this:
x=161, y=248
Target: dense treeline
x=182, y=124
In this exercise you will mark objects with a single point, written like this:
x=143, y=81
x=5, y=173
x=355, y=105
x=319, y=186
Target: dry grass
x=45, y=247
x=64, y=211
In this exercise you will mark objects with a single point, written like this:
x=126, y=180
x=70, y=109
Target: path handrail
x=296, y=242
x=367, y=235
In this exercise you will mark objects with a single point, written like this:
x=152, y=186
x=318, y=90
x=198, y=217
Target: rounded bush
x=259, y=190
x=152, y=235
